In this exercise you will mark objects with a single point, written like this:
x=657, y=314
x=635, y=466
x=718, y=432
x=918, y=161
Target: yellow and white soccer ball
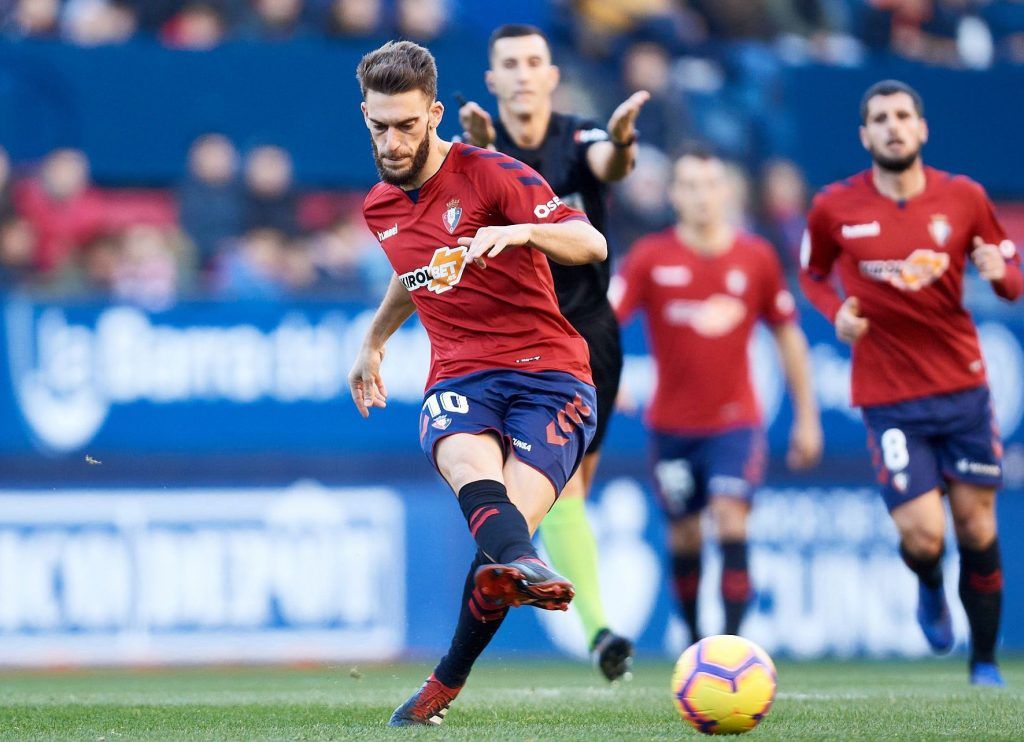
x=724, y=685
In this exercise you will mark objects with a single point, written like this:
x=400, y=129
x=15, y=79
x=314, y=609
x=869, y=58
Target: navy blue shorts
x=924, y=443
x=547, y=418
x=688, y=470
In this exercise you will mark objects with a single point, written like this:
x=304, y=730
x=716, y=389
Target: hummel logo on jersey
x=443, y=273
x=543, y=211
x=920, y=269
x=381, y=236
x=853, y=231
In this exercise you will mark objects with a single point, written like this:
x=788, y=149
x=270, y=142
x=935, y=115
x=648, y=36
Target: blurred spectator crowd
x=229, y=229
x=238, y=225
x=971, y=33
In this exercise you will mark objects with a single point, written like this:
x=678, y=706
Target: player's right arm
x=818, y=254
x=364, y=380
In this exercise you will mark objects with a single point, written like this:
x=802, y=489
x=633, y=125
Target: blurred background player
x=702, y=285
x=900, y=236
x=577, y=157
x=508, y=373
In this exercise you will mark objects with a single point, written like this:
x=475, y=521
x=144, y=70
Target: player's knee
x=463, y=472
x=975, y=529
x=922, y=541
x=684, y=535
x=730, y=516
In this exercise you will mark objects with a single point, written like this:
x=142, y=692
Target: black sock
x=928, y=570
x=686, y=579
x=478, y=622
x=735, y=584
x=497, y=525
x=981, y=591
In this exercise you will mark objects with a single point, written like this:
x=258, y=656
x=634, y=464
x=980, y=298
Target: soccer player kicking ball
x=509, y=405
x=702, y=286
x=900, y=236
x=577, y=158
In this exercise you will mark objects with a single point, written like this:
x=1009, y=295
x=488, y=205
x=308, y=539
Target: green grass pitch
x=522, y=700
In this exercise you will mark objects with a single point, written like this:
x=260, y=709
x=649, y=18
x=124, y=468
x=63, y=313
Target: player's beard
x=419, y=159
x=896, y=164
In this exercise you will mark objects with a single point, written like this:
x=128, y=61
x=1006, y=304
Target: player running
x=469, y=233
x=702, y=285
x=577, y=157
x=900, y=236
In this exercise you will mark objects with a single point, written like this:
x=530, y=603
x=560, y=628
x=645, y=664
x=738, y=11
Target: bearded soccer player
x=899, y=236
x=578, y=158
x=509, y=405
x=702, y=287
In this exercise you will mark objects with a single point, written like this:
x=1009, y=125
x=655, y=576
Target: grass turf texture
x=520, y=700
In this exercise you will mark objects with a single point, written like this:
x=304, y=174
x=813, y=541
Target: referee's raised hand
x=622, y=124
x=477, y=126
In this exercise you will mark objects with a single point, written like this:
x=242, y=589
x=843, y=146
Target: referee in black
x=577, y=158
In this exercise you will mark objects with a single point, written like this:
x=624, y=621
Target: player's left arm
x=778, y=309
x=993, y=253
x=614, y=158
x=535, y=217
x=573, y=242
x=805, y=438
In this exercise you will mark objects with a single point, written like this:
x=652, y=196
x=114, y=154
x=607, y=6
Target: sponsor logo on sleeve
x=443, y=273
x=1007, y=249
x=587, y=136
x=390, y=232
x=543, y=211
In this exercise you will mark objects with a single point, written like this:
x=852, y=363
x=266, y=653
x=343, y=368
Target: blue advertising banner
x=237, y=381
x=309, y=572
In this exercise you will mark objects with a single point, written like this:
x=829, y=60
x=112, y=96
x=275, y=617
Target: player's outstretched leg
x=479, y=620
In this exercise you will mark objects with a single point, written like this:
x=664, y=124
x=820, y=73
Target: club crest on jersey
x=452, y=215
x=443, y=272
x=939, y=229
x=442, y=422
x=920, y=269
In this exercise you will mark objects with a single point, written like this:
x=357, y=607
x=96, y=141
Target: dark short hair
x=514, y=31
x=698, y=150
x=890, y=87
x=398, y=67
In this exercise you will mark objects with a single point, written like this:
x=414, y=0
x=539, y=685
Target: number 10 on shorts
x=447, y=401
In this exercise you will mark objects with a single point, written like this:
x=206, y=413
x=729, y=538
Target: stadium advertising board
x=205, y=379
x=360, y=575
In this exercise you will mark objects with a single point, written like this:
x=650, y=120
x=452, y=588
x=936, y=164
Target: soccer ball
x=724, y=685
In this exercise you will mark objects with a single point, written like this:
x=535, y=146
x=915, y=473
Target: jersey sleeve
x=777, y=303
x=818, y=253
x=522, y=196
x=987, y=227
x=628, y=289
x=585, y=134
